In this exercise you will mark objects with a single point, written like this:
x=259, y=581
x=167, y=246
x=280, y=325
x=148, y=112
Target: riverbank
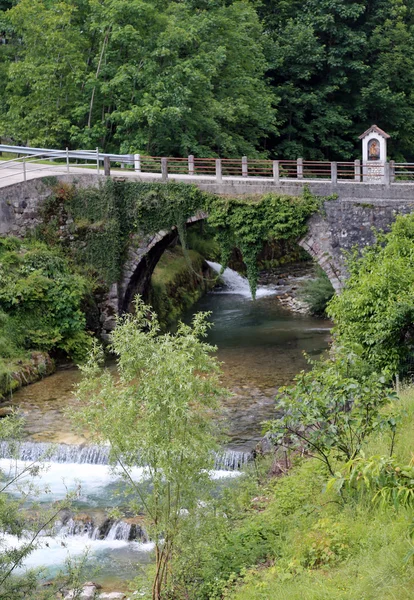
x=290, y=280
x=18, y=373
x=178, y=281
x=294, y=537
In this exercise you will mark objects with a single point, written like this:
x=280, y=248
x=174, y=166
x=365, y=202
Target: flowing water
x=261, y=347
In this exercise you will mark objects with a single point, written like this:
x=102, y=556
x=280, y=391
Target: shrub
x=331, y=410
x=317, y=293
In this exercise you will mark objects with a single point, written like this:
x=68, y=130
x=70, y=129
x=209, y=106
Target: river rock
x=112, y=596
x=5, y=411
x=88, y=592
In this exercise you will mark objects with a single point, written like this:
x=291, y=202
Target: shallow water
x=260, y=344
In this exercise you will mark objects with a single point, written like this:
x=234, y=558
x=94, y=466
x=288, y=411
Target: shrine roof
x=376, y=129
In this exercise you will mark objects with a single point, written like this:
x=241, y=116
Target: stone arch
x=143, y=256
x=319, y=244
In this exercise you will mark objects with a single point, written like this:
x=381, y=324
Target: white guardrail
x=61, y=160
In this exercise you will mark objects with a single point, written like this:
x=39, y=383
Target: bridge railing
x=39, y=159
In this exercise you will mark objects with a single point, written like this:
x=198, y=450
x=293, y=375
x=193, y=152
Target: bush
x=331, y=410
x=40, y=301
x=317, y=293
x=376, y=308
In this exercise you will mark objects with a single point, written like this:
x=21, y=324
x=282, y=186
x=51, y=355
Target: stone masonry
x=350, y=214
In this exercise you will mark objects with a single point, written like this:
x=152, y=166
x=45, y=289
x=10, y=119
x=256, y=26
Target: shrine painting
x=374, y=149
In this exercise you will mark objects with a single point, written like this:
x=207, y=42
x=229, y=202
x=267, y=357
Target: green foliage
x=331, y=410
x=376, y=308
x=40, y=301
x=201, y=239
x=226, y=77
x=164, y=77
x=159, y=410
x=177, y=285
x=325, y=546
x=248, y=223
x=106, y=217
x=383, y=478
x=317, y=293
x=242, y=527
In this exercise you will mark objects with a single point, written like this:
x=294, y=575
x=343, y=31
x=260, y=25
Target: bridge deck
x=13, y=174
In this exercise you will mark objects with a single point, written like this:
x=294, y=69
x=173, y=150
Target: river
x=260, y=346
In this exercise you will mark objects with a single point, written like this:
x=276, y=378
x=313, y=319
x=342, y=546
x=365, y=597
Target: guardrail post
x=392, y=171
x=334, y=173
x=244, y=166
x=164, y=169
x=357, y=170
x=276, y=173
x=137, y=163
x=107, y=166
x=300, y=168
x=219, y=176
x=24, y=170
x=387, y=174
x=67, y=159
x=97, y=160
x=191, y=165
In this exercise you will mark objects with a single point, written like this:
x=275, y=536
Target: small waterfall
x=78, y=527
x=98, y=455
x=58, y=453
x=237, y=284
x=119, y=531
x=108, y=530
x=232, y=460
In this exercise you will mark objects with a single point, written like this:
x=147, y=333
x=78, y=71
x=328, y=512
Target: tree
x=376, y=307
x=43, y=81
x=332, y=409
x=159, y=413
x=181, y=77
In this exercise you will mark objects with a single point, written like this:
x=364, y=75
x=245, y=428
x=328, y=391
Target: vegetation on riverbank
x=317, y=293
x=42, y=298
x=376, y=308
x=327, y=546
x=178, y=281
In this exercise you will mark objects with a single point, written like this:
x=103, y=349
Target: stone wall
x=20, y=203
x=344, y=224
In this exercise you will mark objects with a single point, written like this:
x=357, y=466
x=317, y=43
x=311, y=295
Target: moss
x=176, y=285
x=18, y=372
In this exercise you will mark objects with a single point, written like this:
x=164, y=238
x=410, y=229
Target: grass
x=334, y=551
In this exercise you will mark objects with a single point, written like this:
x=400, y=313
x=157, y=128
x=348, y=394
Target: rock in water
x=88, y=592
x=112, y=596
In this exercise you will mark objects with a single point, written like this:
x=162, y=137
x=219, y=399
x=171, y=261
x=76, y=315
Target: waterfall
x=119, y=531
x=97, y=455
x=107, y=530
x=59, y=453
x=237, y=284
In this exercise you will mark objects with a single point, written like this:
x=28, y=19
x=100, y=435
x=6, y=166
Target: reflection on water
x=260, y=345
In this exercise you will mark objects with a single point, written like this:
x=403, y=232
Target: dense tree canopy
x=280, y=78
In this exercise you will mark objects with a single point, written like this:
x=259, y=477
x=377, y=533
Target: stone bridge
x=347, y=219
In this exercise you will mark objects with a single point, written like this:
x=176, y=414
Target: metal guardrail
x=213, y=168
x=72, y=154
